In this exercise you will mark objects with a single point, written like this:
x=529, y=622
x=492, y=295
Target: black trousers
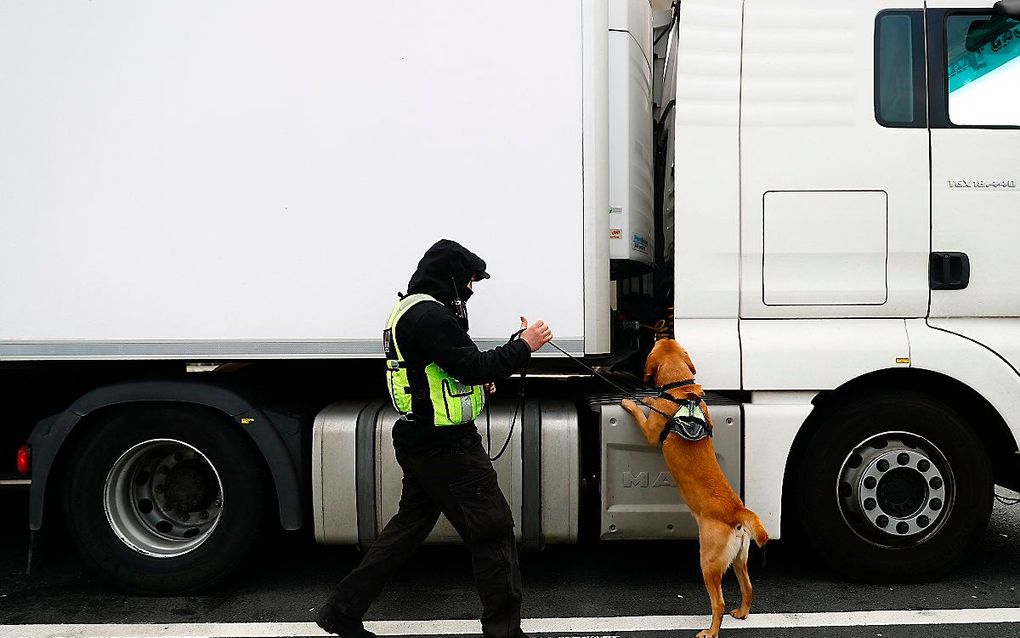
x=457, y=480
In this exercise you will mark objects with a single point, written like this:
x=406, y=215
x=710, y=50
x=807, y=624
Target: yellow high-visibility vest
x=453, y=402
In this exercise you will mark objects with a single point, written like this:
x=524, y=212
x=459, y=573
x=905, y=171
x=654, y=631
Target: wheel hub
x=190, y=486
x=895, y=489
x=901, y=492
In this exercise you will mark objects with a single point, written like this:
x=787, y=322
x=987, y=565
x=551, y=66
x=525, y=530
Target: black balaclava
x=444, y=272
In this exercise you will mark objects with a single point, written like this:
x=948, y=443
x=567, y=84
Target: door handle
x=948, y=271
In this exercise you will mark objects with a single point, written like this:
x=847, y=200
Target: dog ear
x=687, y=360
x=651, y=365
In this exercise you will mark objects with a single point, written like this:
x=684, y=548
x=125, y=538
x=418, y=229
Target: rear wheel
x=894, y=487
x=164, y=498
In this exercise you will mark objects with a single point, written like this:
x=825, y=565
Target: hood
x=446, y=259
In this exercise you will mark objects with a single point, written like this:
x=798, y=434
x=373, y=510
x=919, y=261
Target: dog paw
x=739, y=614
x=631, y=407
x=708, y=633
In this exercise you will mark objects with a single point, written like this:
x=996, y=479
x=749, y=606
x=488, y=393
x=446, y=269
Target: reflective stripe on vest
x=453, y=403
x=690, y=410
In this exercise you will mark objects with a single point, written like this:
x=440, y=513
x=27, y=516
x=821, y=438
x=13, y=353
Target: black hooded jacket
x=430, y=332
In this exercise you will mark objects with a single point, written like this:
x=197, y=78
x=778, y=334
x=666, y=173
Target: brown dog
x=725, y=526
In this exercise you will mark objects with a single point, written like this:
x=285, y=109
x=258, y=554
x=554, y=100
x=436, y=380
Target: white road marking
x=613, y=624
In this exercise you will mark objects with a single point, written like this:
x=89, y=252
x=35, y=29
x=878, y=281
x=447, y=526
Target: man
x=435, y=375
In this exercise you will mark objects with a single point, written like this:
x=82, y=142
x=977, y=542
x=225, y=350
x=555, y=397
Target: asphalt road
x=292, y=576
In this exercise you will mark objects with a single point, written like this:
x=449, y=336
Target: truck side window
x=983, y=69
x=900, y=83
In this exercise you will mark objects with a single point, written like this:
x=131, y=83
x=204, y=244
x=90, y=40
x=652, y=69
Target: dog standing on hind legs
x=725, y=526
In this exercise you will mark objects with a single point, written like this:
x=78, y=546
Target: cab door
x=974, y=117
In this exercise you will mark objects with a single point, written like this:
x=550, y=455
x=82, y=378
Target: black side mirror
x=981, y=32
x=1009, y=8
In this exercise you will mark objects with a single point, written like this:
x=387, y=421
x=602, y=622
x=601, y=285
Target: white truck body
x=183, y=177
x=254, y=181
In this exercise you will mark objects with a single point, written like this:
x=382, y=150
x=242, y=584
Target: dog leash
x=517, y=411
x=627, y=393
x=520, y=398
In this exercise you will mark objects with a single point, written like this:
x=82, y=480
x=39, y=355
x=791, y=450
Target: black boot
x=330, y=620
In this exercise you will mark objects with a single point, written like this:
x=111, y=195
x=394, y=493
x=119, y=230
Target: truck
x=206, y=209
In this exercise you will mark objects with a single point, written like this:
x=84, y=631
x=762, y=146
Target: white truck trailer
x=207, y=207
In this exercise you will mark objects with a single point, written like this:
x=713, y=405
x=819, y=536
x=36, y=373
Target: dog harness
x=688, y=421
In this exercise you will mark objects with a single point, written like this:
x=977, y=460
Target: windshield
x=984, y=70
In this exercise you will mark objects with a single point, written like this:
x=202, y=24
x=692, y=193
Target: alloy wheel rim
x=163, y=498
x=895, y=490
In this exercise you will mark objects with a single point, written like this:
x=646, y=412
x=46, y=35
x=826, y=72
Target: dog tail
x=753, y=524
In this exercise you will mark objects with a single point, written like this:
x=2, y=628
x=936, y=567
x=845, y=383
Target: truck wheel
x=894, y=487
x=163, y=499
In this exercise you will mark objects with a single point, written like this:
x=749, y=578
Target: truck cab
x=845, y=183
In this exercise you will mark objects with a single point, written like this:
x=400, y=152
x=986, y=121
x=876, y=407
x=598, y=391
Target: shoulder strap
x=399, y=311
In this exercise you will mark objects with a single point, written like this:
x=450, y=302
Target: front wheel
x=894, y=487
x=163, y=499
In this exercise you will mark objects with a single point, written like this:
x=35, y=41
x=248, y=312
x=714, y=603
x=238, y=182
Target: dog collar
x=664, y=390
x=678, y=384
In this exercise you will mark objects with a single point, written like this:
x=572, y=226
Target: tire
x=894, y=487
x=163, y=499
